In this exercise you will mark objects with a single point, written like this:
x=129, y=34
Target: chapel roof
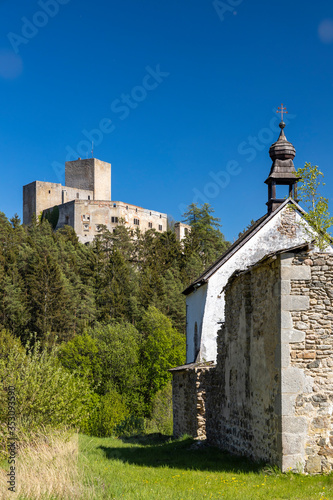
x=244, y=238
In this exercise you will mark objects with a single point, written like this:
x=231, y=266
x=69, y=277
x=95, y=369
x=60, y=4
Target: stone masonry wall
x=243, y=395
x=312, y=353
x=189, y=400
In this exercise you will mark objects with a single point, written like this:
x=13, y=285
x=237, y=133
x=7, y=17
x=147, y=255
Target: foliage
x=163, y=348
x=108, y=413
x=52, y=216
x=81, y=354
x=115, y=307
x=161, y=415
x=205, y=238
x=46, y=393
x=317, y=215
x=118, y=352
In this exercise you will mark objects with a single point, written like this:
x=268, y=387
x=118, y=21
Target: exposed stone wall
x=270, y=396
x=86, y=217
x=313, y=355
x=244, y=392
x=90, y=174
x=189, y=387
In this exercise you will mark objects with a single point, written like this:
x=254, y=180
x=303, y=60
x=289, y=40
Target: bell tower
x=283, y=171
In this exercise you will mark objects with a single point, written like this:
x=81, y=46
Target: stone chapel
x=258, y=377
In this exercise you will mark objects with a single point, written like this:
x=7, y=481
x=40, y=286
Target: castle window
x=88, y=217
x=136, y=222
x=49, y=191
x=160, y=216
x=136, y=210
x=86, y=227
x=114, y=229
x=88, y=196
x=77, y=195
x=83, y=217
x=160, y=227
x=114, y=219
x=114, y=204
x=149, y=213
x=150, y=225
x=126, y=207
x=67, y=219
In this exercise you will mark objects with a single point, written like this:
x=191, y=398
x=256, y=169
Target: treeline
x=113, y=310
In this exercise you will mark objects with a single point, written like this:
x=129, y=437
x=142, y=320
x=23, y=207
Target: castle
x=85, y=204
x=258, y=380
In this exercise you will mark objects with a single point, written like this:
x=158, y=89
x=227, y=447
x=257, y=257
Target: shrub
x=108, y=413
x=161, y=417
x=46, y=394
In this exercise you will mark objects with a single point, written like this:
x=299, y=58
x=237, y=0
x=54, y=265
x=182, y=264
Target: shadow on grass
x=156, y=450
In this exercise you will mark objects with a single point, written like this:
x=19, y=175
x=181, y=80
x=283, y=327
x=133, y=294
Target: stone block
x=285, y=355
x=293, y=380
x=285, y=287
x=286, y=319
x=295, y=272
x=296, y=425
x=294, y=463
x=295, y=302
x=288, y=402
x=313, y=465
x=293, y=444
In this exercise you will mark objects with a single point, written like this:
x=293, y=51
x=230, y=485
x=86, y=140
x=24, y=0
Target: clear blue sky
x=178, y=91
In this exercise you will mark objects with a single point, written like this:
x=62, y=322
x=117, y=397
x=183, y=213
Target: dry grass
x=47, y=468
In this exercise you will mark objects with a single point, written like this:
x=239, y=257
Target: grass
x=156, y=467
x=46, y=468
x=61, y=466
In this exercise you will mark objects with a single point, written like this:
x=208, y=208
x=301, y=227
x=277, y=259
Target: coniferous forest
x=89, y=332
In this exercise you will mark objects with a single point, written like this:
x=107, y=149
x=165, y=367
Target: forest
x=88, y=332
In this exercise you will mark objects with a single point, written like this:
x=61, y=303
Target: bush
x=131, y=426
x=161, y=417
x=108, y=413
x=46, y=394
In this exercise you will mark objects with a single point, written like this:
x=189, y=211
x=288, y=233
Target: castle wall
x=90, y=175
x=87, y=217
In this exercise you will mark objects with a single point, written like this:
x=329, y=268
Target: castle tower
x=283, y=171
x=90, y=174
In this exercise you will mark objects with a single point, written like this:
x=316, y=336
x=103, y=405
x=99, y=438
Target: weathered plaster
x=281, y=232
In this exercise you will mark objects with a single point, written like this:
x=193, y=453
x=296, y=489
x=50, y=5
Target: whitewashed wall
x=207, y=307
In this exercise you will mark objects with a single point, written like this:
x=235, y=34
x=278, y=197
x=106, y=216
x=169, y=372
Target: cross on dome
x=282, y=109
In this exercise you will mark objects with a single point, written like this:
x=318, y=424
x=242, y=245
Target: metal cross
x=282, y=110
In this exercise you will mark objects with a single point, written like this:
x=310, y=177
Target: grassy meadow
x=67, y=467
x=156, y=467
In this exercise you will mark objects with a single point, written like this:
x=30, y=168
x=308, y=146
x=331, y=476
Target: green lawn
x=155, y=467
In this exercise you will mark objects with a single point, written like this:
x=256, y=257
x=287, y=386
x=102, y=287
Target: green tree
x=317, y=216
x=205, y=238
x=119, y=351
x=163, y=347
x=81, y=355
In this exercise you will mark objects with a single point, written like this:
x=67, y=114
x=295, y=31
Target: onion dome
x=282, y=149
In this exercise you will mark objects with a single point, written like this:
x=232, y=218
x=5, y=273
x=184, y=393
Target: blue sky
x=180, y=97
